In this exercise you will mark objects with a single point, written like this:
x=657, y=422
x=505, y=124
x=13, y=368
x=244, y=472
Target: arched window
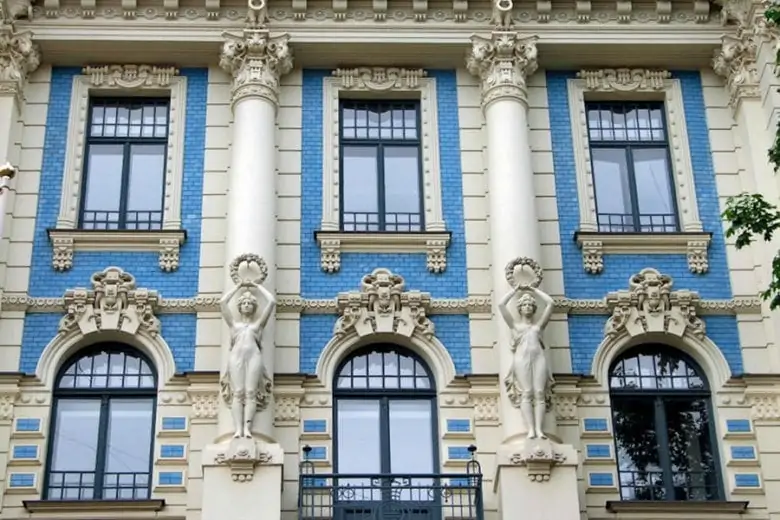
x=102, y=426
x=385, y=403
x=664, y=434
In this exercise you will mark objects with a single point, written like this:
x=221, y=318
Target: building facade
x=219, y=299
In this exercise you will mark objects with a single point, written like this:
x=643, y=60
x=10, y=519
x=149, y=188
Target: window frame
x=659, y=398
x=628, y=147
x=127, y=144
x=383, y=396
x=121, y=81
x=104, y=395
x=380, y=83
x=625, y=84
x=379, y=145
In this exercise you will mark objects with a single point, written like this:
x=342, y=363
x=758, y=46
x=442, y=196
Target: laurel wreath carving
x=523, y=261
x=249, y=258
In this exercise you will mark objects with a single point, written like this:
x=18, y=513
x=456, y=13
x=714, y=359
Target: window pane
x=402, y=186
x=693, y=463
x=359, y=181
x=358, y=425
x=76, y=435
x=639, y=467
x=104, y=178
x=653, y=186
x=411, y=437
x=613, y=192
x=145, y=187
x=128, y=448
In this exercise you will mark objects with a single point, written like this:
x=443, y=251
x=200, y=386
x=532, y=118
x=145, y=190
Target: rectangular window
x=124, y=164
x=631, y=168
x=381, y=187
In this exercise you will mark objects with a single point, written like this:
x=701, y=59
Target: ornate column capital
x=257, y=61
x=736, y=62
x=503, y=62
x=19, y=56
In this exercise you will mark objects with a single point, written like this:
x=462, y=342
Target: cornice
x=297, y=305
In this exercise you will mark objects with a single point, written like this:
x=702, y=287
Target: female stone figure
x=245, y=368
x=529, y=377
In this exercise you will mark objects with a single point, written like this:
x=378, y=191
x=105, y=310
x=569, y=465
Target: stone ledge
x=595, y=245
x=333, y=243
x=691, y=509
x=94, y=506
x=166, y=242
x=16, y=302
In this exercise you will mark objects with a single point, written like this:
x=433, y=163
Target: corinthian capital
x=256, y=61
x=502, y=62
x=736, y=62
x=19, y=56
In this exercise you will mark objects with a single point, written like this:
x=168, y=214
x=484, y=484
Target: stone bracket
x=333, y=243
x=67, y=241
x=595, y=245
x=242, y=455
x=539, y=456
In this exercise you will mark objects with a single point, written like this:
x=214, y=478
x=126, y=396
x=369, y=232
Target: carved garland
x=66, y=239
x=434, y=241
x=693, y=242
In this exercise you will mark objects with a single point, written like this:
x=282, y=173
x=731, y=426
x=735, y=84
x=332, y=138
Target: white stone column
x=503, y=63
x=256, y=60
x=19, y=56
x=737, y=61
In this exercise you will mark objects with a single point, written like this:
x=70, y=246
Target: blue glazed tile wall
x=45, y=282
x=178, y=330
x=585, y=332
x=451, y=330
x=412, y=266
x=316, y=331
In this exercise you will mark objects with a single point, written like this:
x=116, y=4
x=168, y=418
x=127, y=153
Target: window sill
x=687, y=508
x=333, y=243
x=97, y=506
x=66, y=241
x=595, y=245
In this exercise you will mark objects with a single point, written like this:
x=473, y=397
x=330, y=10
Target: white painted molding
x=381, y=82
x=332, y=244
x=166, y=242
x=62, y=346
x=16, y=302
x=595, y=245
x=121, y=80
x=626, y=84
x=429, y=348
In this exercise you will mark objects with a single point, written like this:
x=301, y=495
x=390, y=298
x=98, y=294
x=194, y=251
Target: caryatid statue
x=528, y=380
x=246, y=382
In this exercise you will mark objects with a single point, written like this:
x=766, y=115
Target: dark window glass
x=103, y=427
x=664, y=436
x=381, y=187
x=631, y=171
x=125, y=164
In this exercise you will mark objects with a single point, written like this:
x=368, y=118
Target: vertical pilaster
x=256, y=61
x=503, y=62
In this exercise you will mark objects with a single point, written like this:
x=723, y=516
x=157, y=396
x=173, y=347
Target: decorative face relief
x=113, y=303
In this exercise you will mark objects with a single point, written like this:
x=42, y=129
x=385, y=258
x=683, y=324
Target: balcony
x=456, y=496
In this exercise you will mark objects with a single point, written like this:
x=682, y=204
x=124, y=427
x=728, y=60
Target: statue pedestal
x=537, y=480
x=242, y=480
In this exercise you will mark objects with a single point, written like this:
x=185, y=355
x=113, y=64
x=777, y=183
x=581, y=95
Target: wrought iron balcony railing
x=456, y=496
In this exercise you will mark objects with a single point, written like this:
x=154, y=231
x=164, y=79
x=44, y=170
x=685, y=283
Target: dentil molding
x=595, y=245
x=503, y=63
x=15, y=302
x=19, y=57
x=256, y=61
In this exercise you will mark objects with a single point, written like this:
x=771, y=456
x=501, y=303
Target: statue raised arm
x=528, y=379
x=246, y=376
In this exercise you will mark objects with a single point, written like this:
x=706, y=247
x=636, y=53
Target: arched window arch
x=665, y=440
x=102, y=426
x=385, y=402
